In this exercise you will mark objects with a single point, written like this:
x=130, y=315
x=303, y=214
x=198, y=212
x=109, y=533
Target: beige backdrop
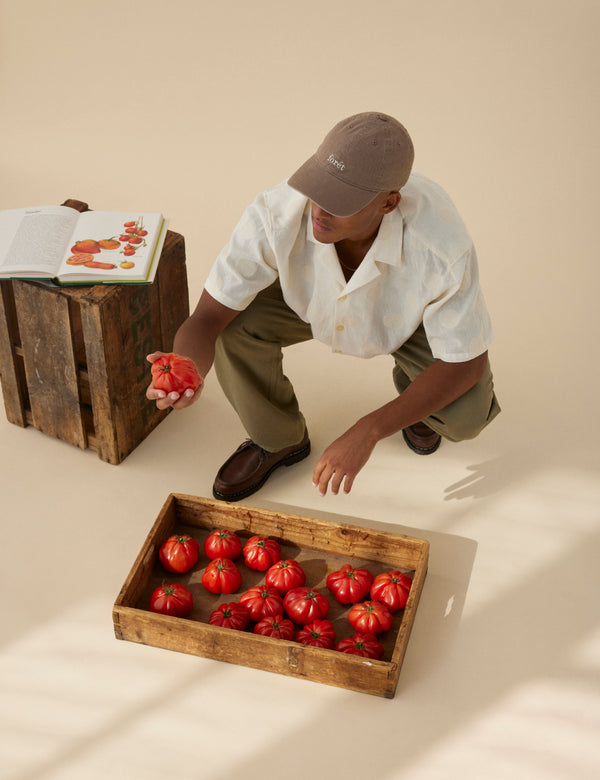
x=191, y=108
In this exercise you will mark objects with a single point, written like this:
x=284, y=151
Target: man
x=357, y=252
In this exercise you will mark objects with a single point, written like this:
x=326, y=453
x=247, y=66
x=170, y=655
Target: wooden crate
x=319, y=546
x=72, y=358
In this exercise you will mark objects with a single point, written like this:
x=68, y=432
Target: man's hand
x=175, y=400
x=344, y=458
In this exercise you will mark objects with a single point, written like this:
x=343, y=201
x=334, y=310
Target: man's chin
x=323, y=237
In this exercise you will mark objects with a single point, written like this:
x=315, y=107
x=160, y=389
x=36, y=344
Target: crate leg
x=100, y=344
x=11, y=368
x=50, y=363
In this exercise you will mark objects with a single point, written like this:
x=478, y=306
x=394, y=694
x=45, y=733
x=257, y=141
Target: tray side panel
x=311, y=533
x=278, y=656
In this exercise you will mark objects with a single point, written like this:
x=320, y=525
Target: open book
x=69, y=247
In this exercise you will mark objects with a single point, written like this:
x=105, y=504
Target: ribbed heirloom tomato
x=349, y=585
x=222, y=544
x=365, y=645
x=174, y=373
x=222, y=576
x=261, y=553
x=370, y=617
x=285, y=575
x=172, y=599
x=303, y=605
x=275, y=626
x=179, y=553
x=319, y=633
x=262, y=601
x=392, y=589
x=232, y=615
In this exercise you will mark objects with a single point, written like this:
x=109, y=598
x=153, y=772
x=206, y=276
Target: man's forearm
x=197, y=336
x=197, y=344
x=435, y=387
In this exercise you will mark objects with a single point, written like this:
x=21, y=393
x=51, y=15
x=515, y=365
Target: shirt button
x=342, y=297
x=339, y=327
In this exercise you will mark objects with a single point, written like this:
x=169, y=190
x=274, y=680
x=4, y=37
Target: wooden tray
x=320, y=546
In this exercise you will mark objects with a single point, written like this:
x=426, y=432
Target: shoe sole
x=289, y=460
x=422, y=450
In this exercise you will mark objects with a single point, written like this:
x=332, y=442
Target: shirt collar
x=387, y=247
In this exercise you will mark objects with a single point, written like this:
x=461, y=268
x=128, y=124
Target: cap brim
x=333, y=195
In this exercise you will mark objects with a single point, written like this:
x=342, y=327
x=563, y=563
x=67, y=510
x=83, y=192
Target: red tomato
x=222, y=576
x=261, y=553
x=303, y=605
x=319, y=633
x=365, y=645
x=370, y=617
x=174, y=373
x=230, y=615
x=261, y=602
x=349, y=585
x=223, y=544
x=391, y=588
x=285, y=575
x=179, y=553
x=172, y=599
x=276, y=626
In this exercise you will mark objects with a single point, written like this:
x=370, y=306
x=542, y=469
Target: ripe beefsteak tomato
x=285, y=575
x=392, y=589
x=172, y=599
x=223, y=544
x=276, y=626
x=370, y=617
x=262, y=601
x=303, y=605
x=365, y=645
x=222, y=576
x=349, y=585
x=179, y=553
x=174, y=373
x=319, y=633
x=230, y=615
x=261, y=553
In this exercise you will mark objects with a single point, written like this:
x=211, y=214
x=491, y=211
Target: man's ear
x=391, y=202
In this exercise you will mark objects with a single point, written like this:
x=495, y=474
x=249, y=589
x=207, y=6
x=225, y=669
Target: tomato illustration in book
x=99, y=253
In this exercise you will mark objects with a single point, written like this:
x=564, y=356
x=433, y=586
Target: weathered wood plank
x=50, y=364
x=12, y=372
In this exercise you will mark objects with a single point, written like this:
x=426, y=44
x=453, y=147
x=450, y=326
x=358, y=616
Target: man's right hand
x=173, y=399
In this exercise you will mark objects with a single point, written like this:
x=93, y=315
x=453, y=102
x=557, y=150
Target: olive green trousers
x=249, y=367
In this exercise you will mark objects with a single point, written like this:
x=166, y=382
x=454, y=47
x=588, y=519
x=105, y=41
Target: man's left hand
x=343, y=459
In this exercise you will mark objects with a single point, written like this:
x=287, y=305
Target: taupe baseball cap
x=360, y=157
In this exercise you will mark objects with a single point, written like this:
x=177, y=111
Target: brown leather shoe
x=247, y=470
x=421, y=439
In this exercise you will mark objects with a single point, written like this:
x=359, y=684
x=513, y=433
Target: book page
x=116, y=246
x=34, y=240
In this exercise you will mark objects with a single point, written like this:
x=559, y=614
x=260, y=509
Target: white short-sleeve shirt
x=422, y=267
